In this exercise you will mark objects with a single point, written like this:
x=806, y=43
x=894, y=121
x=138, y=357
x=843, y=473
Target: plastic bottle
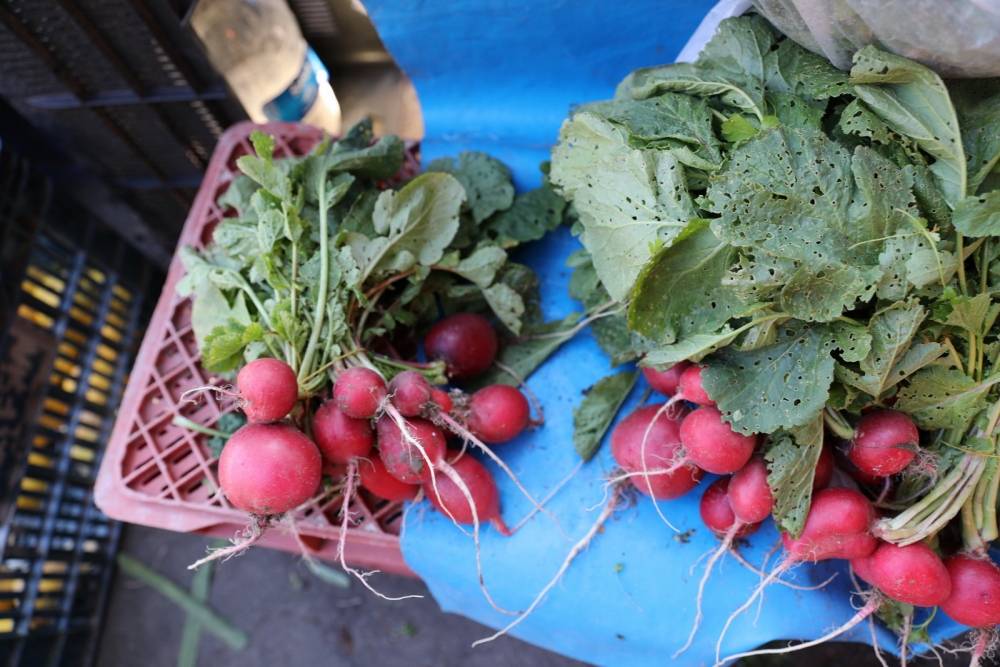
x=258, y=48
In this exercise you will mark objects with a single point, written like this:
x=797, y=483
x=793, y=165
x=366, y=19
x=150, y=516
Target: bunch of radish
x=665, y=449
x=392, y=436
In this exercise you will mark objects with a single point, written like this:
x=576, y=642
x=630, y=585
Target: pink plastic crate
x=161, y=475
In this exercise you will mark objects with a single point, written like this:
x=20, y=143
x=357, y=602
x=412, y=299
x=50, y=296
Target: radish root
x=460, y=483
x=748, y=565
x=727, y=543
x=345, y=522
x=871, y=606
x=251, y=535
x=547, y=498
x=608, y=510
x=469, y=437
x=779, y=570
x=642, y=456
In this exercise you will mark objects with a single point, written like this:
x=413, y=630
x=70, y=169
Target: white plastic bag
x=959, y=38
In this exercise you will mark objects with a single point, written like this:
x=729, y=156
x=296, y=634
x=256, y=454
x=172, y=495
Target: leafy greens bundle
x=826, y=241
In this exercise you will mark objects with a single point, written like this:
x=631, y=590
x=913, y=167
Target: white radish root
x=251, y=535
x=608, y=510
x=870, y=607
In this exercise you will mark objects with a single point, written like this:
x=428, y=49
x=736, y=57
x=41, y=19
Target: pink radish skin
x=450, y=501
x=691, y=388
x=341, y=438
x=441, y=399
x=717, y=514
x=498, y=413
x=975, y=591
x=749, y=494
x=824, y=469
x=466, y=342
x=712, y=444
x=402, y=459
x=377, y=480
x=666, y=382
x=837, y=526
x=885, y=442
x=409, y=392
x=269, y=389
x=661, y=449
x=862, y=568
x=359, y=392
x=269, y=468
x=912, y=574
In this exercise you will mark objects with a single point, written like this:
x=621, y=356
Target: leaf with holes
x=978, y=216
x=778, y=386
x=791, y=463
x=627, y=199
x=680, y=292
x=938, y=397
x=486, y=181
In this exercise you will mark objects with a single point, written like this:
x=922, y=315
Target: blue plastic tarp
x=500, y=78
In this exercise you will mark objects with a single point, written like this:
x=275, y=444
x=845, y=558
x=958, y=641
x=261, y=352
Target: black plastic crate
x=75, y=298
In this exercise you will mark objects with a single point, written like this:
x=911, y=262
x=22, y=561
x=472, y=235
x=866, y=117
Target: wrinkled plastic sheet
x=501, y=79
x=957, y=38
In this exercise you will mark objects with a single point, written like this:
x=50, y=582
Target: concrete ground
x=296, y=620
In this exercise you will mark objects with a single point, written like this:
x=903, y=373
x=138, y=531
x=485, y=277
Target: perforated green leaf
x=792, y=460
x=939, y=397
x=778, y=386
x=485, y=179
x=979, y=215
x=680, y=292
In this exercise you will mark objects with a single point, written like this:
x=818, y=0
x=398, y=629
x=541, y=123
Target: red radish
x=824, y=469
x=466, y=342
x=409, y=392
x=975, y=591
x=837, y=526
x=359, y=392
x=712, y=444
x=498, y=413
x=691, y=388
x=666, y=382
x=450, y=501
x=441, y=399
x=376, y=479
x=749, y=494
x=661, y=448
x=885, y=442
x=269, y=468
x=912, y=574
x=717, y=514
x=402, y=459
x=862, y=568
x=341, y=438
x=269, y=389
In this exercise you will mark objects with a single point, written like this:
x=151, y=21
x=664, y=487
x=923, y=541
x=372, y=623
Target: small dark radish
x=268, y=388
x=409, y=391
x=341, y=438
x=466, y=342
x=481, y=487
x=359, y=392
x=717, y=514
x=666, y=382
x=662, y=447
x=749, y=494
x=269, y=468
x=912, y=574
x=975, y=591
x=691, y=388
x=712, y=444
x=403, y=459
x=824, y=469
x=837, y=526
x=885, y=442
x=441, y=399
x=498, y=413
x=376, y=479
